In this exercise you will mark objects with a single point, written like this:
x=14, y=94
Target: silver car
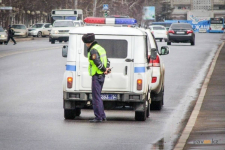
x=20, y=30
x=3, y=36
x=40, y=29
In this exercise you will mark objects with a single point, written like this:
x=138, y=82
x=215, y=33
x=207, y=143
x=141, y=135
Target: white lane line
x=27, y=51
x=191, y=122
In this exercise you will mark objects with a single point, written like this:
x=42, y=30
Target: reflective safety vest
x=93, y=69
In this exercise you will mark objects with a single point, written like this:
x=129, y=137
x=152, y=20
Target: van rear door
x=118, y=50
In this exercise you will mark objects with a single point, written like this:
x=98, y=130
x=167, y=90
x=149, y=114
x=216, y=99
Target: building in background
x=202, y=9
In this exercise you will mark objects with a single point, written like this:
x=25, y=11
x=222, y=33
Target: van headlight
x=3, y=36
x=55, y=32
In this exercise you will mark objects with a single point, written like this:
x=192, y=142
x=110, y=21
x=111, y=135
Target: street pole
x=75, y=4
x=94, y=10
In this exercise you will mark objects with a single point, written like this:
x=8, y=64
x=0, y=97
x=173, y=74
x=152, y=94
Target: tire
x=168, y=43
x=147, y=109
x=157, y=105
x=52, y=41
x=69, y=113
x=193, y=43
x=1, y=43
x=77, y=111
x=5, y=42
x=160, y=40
x=39, y=34
x=140, y=115
x=60, y=41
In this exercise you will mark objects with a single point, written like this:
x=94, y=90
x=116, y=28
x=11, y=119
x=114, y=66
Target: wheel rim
x=39, y=34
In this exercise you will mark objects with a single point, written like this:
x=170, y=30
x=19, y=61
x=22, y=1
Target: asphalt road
x=31, y=107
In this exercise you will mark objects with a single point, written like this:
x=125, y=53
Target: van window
x=114, y=48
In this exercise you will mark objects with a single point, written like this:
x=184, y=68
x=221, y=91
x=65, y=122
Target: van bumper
x=83, y=100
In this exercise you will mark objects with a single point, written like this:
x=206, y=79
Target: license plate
x=109, y=96
x=180, y=32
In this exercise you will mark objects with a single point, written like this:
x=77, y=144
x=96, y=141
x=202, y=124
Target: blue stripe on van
x=70, y=67
x=139, y=69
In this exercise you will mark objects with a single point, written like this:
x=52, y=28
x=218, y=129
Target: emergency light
x=110, y=21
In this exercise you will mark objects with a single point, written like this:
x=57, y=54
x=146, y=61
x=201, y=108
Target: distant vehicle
x=181, y=33
x=60, y=30
x=20, y=30
x=40, y=29
x=78, y=23
x=3, y=36
x=165, y=24
x=117, y=16
x=216, y=25
x=159, y=32
x=66, y=14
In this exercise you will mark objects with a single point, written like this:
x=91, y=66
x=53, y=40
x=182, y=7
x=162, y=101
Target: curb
x=194, y=115
x=24, y=39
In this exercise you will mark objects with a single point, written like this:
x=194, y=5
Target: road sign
x=6, y=8
x=105, y=6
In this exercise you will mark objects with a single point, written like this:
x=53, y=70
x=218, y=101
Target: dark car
x=181, y=33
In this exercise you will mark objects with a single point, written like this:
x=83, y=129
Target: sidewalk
x=206, y=126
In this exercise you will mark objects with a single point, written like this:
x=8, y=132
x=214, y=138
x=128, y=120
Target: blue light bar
x=128, y=21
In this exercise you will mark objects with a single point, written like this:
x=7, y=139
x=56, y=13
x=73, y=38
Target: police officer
x=10, y=35
x=98, y=68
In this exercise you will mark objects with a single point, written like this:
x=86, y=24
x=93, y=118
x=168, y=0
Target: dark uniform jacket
x=10, y=32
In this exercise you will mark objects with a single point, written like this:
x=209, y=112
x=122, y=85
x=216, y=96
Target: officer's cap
x=88, y=38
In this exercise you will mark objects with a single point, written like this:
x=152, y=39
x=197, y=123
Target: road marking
x=191, y=122
x=27, y=51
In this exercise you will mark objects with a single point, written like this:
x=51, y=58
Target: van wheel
x=140, y=115
x=1, y=43
x=193, y=43
x=157, y=105
x=39, y=34
x=168, y=43
x=160, y=40
x=52, y=41
x=69, y=114
x=147, y=109
x=77, y=111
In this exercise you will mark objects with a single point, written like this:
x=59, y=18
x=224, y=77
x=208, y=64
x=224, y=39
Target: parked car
x=20, y=30
x=40, y=29
x=181, y=33
x=159, y=32
x=158, y=75
x=3, y=36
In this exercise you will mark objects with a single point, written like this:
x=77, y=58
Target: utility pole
x=94, y=10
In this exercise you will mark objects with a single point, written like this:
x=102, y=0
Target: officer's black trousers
x=98, y=107
x=11, y=37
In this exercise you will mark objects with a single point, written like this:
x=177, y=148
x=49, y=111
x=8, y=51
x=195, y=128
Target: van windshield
x=114, y=48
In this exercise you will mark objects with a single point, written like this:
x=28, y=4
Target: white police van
x=129, y=83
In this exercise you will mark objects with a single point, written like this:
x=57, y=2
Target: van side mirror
x=165, y=50
x=153, y=54
x=64, y=50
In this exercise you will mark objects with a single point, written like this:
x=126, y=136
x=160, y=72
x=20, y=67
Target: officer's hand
x=107, y=71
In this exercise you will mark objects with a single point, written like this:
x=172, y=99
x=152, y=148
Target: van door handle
x=129, y=60
x=125, y=70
